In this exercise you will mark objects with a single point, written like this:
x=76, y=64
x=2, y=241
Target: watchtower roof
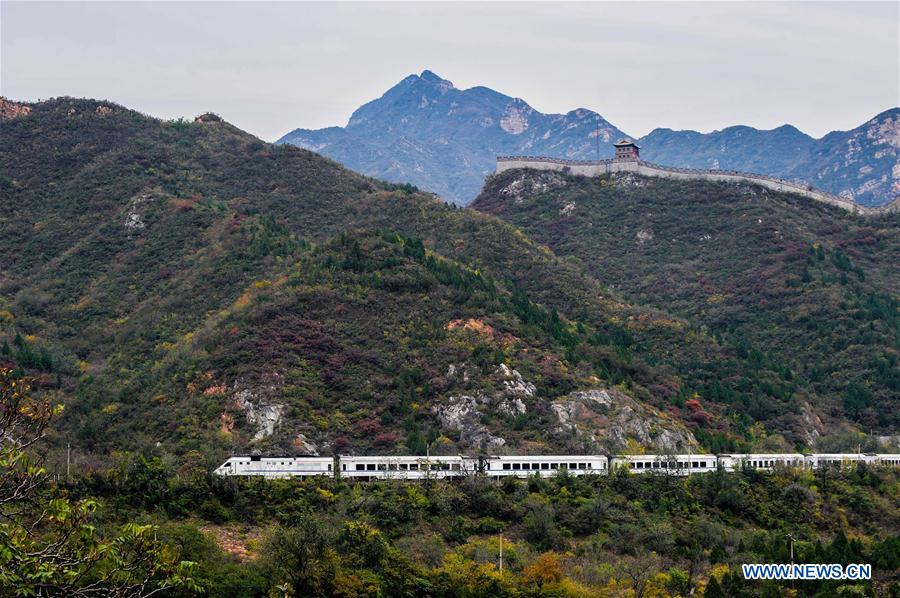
x=625, y=142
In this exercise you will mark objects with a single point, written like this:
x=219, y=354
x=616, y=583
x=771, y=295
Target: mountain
x=774, y=152
x=812, y=286
x=861, y=164
x=186, y=286
x=426, y=132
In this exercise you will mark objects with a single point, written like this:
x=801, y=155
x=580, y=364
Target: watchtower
x=627, y=150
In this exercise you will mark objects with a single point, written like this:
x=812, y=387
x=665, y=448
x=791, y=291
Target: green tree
x=301, y=559
x=48, y=544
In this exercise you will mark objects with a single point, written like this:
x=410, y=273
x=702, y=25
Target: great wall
x=628, y=160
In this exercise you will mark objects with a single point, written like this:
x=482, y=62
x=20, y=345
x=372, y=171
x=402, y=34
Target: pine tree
x=713, y=589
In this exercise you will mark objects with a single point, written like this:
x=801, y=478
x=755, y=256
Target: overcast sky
x=269, y=68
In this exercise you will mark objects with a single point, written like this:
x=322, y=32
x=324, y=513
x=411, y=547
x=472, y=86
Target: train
x=414, y=467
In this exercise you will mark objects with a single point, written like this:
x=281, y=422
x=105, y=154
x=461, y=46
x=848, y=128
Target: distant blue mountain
x=442, y=139
x=426, y=132
x=861, y=164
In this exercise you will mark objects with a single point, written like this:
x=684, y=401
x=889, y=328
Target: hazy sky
x=272, y=67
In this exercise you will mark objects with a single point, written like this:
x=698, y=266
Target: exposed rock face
x=628, y=179
x=538, y=182
x=459, y=373
x=305, y=447
x=209, y=117
x=515, y=118
x=464, y=412
x=812, y=425
x=261, y=413
x=643, y=236
x=514, y=389
x=10, y=110
x=612, y=417
x=134, y=220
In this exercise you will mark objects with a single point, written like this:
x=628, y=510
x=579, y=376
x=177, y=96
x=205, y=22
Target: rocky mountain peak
x=443, y=85
x=425, y=131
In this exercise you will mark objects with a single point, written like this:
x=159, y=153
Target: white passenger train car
x=889, y=460
x=408, y=467
x=822, y=460
x=545, y=465
x=761, y=461
x=277, y=467
x=665, y=464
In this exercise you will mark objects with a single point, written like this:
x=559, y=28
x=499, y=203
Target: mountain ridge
x=389, y=138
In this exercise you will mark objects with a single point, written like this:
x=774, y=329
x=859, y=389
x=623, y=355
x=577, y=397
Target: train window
x=554, y=466
x=656, y=465
x=582, y=466
x=573, y=465
x=255, y=458
x=360, y=467
x=640, y=465
x=227, y=464
x=535, y=466
x=445, y=466
x=673, y=465
x=414, y=467
x=456, y=467
x=545, y=466
x=506, y=466
x=370, y=467
x=404, y=467
x=526, y=466
x=392, y=467
x=381, y=467
x=329, y=467
x=514, y=465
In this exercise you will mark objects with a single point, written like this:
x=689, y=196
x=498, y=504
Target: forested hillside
x=186, y=291
x=788, y=282
x=189, y=285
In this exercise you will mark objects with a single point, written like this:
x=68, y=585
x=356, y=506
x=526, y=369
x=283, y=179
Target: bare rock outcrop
x=10, y=110
x=464, y=412
x=533, y=183
x=304, y=446
x=261, y=412
x=134, y=218
x=612, y=418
